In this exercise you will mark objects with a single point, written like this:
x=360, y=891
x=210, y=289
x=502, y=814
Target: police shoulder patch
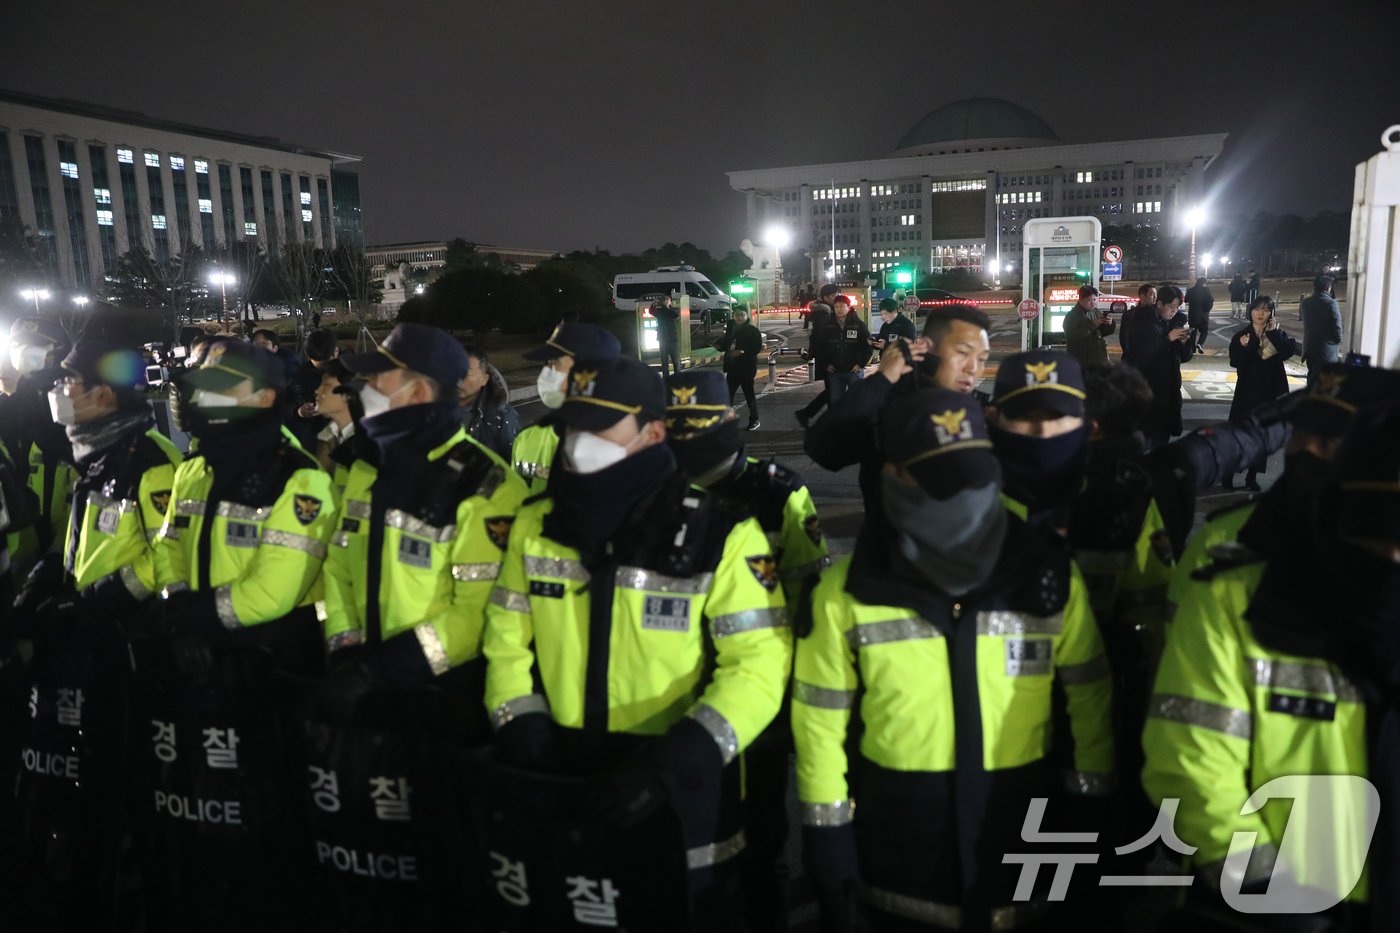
x=308, y=508
x=498, y=530
x=160, y=500
x=765, y=570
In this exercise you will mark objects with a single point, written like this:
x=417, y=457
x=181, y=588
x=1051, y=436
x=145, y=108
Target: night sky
x=564, y=125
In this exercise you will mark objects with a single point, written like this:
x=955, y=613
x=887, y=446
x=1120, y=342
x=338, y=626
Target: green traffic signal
x=903, y=277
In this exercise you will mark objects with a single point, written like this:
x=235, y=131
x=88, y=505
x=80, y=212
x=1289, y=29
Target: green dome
x=976, y=118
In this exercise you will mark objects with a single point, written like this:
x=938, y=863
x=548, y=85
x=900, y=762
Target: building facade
x=93, y=182
x=959, y=187
x=390, y=259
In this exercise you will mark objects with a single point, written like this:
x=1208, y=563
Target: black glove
x=829, y=856
x=193, y=655
x=627, y=795
x=344, y=688
x=528, y=741
x=44, y=581
x=57, y=606
x=186, y=612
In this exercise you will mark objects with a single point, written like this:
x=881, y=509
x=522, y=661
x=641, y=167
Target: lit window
x=103, y=195
x=201, y=166
x=250, y=228
x=104, y=218
x=1037, y=197
x=206, y=206
x=177, y=163
x=125, y=155
x=1156, y=207
x=306, y=198
x=68, y=169
x=158, y=221
x=153, y=160
x=305, y=216
x=1088, y=176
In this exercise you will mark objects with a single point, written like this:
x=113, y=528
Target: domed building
x=959, y=186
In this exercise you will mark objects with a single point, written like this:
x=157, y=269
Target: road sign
x=911, y=303
x=1112, y=271
x=1112, y=254
x=1028, y=310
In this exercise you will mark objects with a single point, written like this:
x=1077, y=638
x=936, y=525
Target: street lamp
x=81, y=300
x=36, y=295
x=1194, y=217
x=1205, y=264
x=224, y=280
x=778, y=237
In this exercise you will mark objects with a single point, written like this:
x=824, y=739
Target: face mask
x=953, y=543
x=62, y=408
x=376, y=402
x=589, y=453
x=550, y=384
x=1042, y=472
x=708, y=452
x=26, y=359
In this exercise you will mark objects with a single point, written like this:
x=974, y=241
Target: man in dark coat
x=1251, y=290
x=483, y=402
x=893, y=324
x=1157, y=345
x=1322, y=327
x=1238, y=288
x=1085, y=329
x=1199, y=301
x=741, y=345
x=820, y=318
x=849, y=340
x=668, y=333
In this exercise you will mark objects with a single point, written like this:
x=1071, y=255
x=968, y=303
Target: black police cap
x=1338, y=392
x=434, y=353
x=1039, y=379
x=939, y=436
x=696, y=400
x=97, y=362
x=603, y=392
x=581, y=341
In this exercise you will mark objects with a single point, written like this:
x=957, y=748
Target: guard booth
x=649, y=333
x=1372, y=310
x=1058, y=256
x=859, y=291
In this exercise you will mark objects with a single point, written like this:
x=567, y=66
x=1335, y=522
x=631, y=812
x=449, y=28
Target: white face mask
x=589, y=453
x=62, y=408
x=551, y=385
x=377, y=403
x=26, y=359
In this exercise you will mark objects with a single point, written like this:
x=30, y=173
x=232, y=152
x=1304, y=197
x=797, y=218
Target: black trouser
x=743, y=380
x=1200, y=330
x=670, y=350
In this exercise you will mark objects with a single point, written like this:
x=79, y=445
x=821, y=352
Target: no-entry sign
x=1112, y=254
x=1028, y=310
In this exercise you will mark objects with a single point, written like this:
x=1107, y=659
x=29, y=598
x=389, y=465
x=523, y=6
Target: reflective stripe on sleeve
x=828, y=814
x=1072, y=675
x=1003, y=622
x=397, y=518
x=302, y=543
x=431, y=643
x=223, y=605
x=189, y=506
x=357, y=508
x=878, y=633
x=932, y=913
x=510, y=600
x=1193, y=712
x=475, y=573
x=1309, y=678
x=133, y=583
x=715, y=852
x=822, y=697
x=747, y=621
x=520, y=706
x=720, y=730
x=561, y=568
x=243, y=513
x=639, y=578
x=1089, y=783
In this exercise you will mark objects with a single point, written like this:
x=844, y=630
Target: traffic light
x=741, y=287
x=903, y=276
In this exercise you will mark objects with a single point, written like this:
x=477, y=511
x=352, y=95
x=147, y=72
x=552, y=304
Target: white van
x=705, y=298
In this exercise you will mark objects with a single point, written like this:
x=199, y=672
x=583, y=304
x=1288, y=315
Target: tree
x=573, y=291
x=246, y=261
x=301, y=273
x=170, y=288
x=353, y=274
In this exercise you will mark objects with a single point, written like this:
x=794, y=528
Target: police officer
x=955, y=618
x=1263, y=679
x=703, y=433
x=32, y=439
x=127, y=471
x=427, y=512
x=533, y=451
x=1037, y=427
x=952, y=353
x=638, y=628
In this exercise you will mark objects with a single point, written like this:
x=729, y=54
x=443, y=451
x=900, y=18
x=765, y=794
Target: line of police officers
x=635, y=600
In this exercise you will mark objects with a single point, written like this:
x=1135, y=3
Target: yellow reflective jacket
x=52, y=484
x=264, y=548
x=532, y=454
x=427, y=543
x=119, y=505
x=696, y=628
x=1222, y=527
x=1228, y=715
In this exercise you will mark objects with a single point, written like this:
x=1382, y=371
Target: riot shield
x=378, y=817
x=543, y=864
x=70, y=791
x=218, y=801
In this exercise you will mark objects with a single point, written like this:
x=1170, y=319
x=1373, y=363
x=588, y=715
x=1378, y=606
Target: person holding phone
x=1157, y=341
x=1257, y=353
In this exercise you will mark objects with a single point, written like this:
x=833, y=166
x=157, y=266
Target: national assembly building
x=958, y=188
